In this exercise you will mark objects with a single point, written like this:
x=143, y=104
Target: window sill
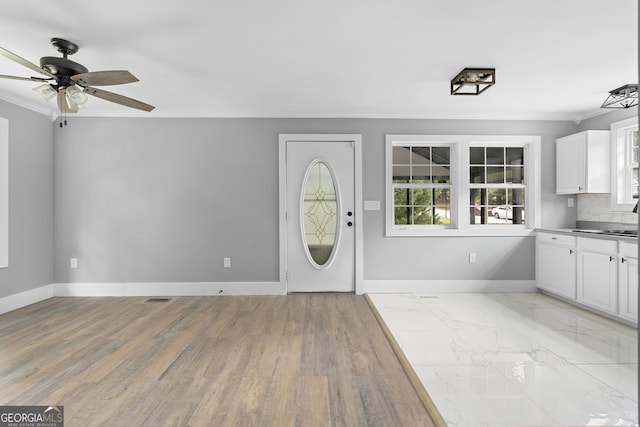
x=484, y=232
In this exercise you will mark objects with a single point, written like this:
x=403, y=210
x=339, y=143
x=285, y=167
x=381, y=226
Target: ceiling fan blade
x=12, y=56
x=104, y=78
x=31, y=79
x=62, y=102
x=118, y=99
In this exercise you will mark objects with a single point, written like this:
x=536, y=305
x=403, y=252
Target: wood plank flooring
x=295, y=360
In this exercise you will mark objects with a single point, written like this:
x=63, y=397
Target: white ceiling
x=554, y=59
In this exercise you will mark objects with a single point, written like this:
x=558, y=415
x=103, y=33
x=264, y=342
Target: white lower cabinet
x=628, y=281
x=597, y=273
x=556, y=264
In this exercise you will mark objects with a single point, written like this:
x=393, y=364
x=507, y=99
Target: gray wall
x=164, y=200
x=603, y=121
x=30, y=201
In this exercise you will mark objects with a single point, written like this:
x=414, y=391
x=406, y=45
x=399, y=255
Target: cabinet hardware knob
x=554, y=238
x=622, y=260
x=610, y=258
x=570, y=251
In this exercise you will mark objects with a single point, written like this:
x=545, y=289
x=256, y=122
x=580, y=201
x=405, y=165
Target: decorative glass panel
x=319, y=213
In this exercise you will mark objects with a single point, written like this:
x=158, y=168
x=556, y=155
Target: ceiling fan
x=64, y=78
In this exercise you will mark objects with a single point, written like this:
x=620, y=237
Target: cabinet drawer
x=629, y=249
x=598, y=245
x=557, y=239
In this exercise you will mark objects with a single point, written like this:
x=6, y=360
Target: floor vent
x=158, y=300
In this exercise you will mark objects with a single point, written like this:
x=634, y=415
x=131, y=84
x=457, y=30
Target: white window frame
x=4, y=193
x=452, y=157
x=460, y=191
x=621, y=199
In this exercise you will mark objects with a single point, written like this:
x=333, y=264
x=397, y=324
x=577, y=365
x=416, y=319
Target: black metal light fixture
x=473, y=81
x=623, y=97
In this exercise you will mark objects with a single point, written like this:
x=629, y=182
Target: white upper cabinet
x=583, y=163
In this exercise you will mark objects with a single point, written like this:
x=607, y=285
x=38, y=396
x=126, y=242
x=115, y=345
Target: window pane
x=402, y=215
x=421, y=155
x=443, y=206
x=495, y=175
x=422, y=196
x=422, y=215
x=401, y=174
x=514, y=175
x=476, y=174
x=441, y=155
x=401, y=155
x=496, y=196
x=476, y=155
x=515, y=156
x=476, y=196
x=441, y=174
x=495, y=155
x=634, y=183
x=401, y=196
x=420, y=174
x=516, y=196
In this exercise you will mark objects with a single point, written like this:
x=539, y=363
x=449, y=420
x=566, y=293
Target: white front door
x=320, y=217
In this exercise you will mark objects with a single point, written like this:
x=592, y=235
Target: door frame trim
x=357, y=203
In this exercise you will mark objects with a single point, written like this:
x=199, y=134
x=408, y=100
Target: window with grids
x=628, y=137
x=624, y=164
x=421, y=185
x=497, y=184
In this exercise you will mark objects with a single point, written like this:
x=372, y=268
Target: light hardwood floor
x=296, y=360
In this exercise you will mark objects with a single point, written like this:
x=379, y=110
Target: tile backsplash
x=596, y=207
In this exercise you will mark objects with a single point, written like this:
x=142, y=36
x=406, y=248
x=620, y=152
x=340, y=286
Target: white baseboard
x=168, y=289
x=23, y=299
x=447, y=286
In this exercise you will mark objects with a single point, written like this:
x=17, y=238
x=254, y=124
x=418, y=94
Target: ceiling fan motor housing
x=62, y=66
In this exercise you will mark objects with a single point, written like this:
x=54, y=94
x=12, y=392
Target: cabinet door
x=628, y=288
x=597, y=281
x=570, y=164
x=556, y=270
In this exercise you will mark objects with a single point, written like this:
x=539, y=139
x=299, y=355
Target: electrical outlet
x=227, y=263
x=472, y=258
x=73, y=263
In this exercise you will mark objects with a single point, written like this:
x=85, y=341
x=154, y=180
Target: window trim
x=4, y=192
x=618, y=156
x=460, y=191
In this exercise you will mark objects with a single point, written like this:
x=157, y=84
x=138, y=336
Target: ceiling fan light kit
x=46, y=91
x=623, y=97
x=64, y=78
x=473, y=81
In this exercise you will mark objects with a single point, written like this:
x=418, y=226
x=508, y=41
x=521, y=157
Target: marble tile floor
x=520, y=359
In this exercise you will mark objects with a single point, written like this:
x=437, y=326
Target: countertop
x=572, y=232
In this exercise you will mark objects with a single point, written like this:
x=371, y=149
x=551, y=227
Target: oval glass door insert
x=319, y=214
